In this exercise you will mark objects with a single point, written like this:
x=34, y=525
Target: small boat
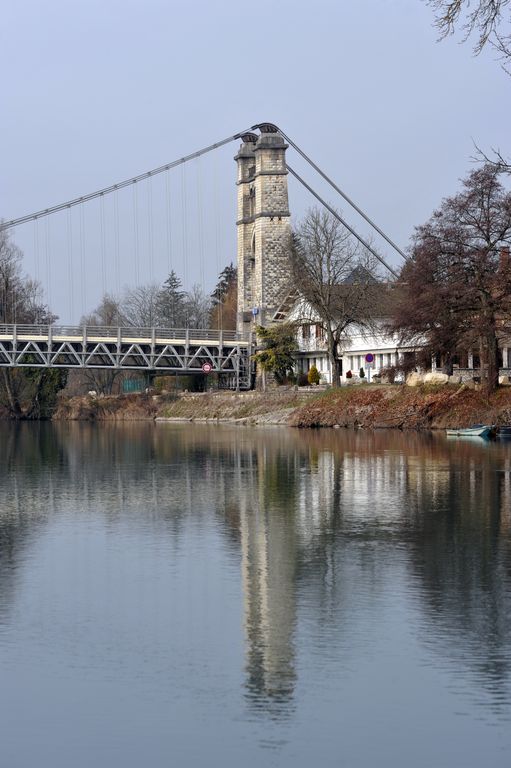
x=504, y=431
x=476, y=430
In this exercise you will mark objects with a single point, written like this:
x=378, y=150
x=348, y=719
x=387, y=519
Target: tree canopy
x=278, y=345
x=456, y=288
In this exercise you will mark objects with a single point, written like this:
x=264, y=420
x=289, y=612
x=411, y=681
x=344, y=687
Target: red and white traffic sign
x=207, y=367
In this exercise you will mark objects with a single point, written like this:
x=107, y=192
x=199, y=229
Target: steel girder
x=41, y=348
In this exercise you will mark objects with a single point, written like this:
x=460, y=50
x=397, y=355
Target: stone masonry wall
x=263, y=228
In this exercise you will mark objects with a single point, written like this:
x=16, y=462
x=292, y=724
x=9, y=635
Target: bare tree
x=23, y=390
x=456, y=287
x=140, y=306
x=107, y=313
x=488, y=20
x=336, y=279
x=197, y=308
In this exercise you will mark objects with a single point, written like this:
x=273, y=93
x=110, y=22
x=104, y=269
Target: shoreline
x=370, y=406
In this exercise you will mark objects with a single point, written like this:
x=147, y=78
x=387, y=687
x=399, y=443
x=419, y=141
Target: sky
x=96, y=92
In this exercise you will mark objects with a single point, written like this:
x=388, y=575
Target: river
x=179, y=595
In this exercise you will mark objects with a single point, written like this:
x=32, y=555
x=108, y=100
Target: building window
x=306, y=332
x=320, y=333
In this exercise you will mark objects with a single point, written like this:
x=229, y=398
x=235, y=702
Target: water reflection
x=330, y=530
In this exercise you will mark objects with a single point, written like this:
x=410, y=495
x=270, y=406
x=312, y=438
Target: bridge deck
x=151, y=349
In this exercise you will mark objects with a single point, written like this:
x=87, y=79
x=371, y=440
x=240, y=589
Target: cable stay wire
x=194, y=155
x=343, y=222
x=161, y=169
x=342, y=194
x=120, y=185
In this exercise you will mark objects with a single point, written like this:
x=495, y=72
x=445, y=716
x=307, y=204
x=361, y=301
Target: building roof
x=379, y=297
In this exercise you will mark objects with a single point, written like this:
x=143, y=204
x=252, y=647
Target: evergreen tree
x=224, y=300
x=172, y=302
x=226, y=279
x=277, y=355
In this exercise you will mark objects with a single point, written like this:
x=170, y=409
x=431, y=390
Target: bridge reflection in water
x=326, y=525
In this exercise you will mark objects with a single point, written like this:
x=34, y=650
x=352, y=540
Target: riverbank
x=369, y=406
x=401, y=407
x=275, y=407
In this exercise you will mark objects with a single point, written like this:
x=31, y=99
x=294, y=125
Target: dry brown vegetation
x=371, y=406
x=405, y=408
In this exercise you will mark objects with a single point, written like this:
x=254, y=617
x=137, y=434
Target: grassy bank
x=402, y=407
x=371, y=406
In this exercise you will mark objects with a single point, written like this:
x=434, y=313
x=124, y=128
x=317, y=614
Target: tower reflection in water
x=325, y=526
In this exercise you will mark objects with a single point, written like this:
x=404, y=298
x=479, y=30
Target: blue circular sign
x=369, y=357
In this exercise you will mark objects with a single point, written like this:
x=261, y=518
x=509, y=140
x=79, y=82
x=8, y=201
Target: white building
x=359, y=342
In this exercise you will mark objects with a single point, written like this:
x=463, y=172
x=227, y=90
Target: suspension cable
x=343, y=194
x=119, y=185
x=169, y=222
x=148, y=174
x=343, y=222
x=70, y=270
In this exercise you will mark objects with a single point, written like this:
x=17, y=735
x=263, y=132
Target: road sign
x=207, y=367
x=369, y=358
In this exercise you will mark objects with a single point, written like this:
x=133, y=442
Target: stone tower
x=264, y=232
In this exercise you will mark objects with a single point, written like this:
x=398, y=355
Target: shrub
x=164, y=382
x=277, y=353
x=389, y=374
x=302, y=380
x=313, y=375
x=349, y=375
x=362, y=373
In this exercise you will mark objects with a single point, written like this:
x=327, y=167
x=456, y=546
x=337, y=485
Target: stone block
x=436, y=377
x=414, y=379
x=504, y=381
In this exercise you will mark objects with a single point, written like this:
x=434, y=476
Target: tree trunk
x=35, y=409
x=12, y=396
x=336, y=370
x=492, y=357
x=447, y=364
x=335, y=363
x=482, y=359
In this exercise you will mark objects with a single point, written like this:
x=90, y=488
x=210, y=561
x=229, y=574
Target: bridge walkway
x=159, y=350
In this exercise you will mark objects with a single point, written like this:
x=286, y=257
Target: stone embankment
x=371, y=406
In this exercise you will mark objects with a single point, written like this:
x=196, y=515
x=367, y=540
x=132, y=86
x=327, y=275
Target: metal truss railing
x=104, y=331
x=151, y=349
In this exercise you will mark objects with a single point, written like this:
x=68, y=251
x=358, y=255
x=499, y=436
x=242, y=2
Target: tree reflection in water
x=323, y=524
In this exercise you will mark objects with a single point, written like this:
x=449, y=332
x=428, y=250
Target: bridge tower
x=263, y=223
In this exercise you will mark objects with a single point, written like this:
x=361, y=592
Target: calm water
x=203, y=596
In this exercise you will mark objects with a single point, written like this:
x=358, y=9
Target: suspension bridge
x=263, y=231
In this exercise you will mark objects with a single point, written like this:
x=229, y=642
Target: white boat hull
x=479, y=431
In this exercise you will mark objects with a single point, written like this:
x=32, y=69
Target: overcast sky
x=95, y=92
